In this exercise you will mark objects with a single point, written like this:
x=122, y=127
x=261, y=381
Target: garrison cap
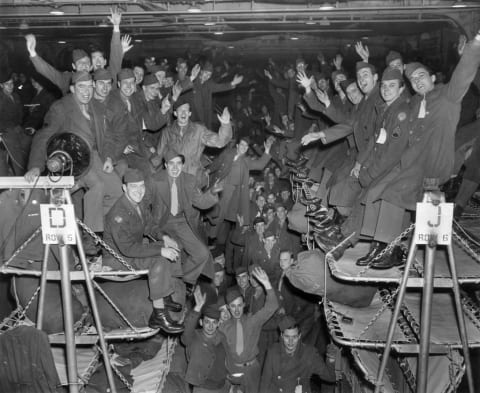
x=410, y=68
x=125, y=73
x=286, y=322
x=81, y=76
x=149, y=79
x=133, y=176
x=392, y=55
x=102, y=75
x=362, y=64
x=211, y=311
x=344, y=84
x=392, y=73
x=78, y=54
x=232, y=294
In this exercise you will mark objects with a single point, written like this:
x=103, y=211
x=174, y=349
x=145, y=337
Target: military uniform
x=124, y=231
x=283, y=372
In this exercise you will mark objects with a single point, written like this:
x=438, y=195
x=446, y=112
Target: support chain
x=111, y=251
x=114, y=306
x=22, y=246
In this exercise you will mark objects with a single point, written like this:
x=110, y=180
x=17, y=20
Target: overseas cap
x=149, y=79
x=81, y=76
x=133, y=176
x=232, y=294
x=287, y=322
x=362, y=64
x=78, y=54
x=102, y=75
x=392, y=55
x=391, y=74
x=125, y=73
x=410, y=68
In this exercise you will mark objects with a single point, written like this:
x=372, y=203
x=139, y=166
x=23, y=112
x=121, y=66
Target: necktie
x=84, y=109
x=129, y=106
x=139, y=212
x=423, y=109
x=174, y=199
x=239, y=338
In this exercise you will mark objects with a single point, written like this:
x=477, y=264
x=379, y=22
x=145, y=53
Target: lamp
x=56, y=11
x=68, y=154
x=459, y=4
x=193, y=8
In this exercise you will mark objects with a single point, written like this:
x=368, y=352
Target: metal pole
x=68, y=319
x=461, y=319
x=396, y=312
x=93, y=302
x=426, y=318
x=43, y=287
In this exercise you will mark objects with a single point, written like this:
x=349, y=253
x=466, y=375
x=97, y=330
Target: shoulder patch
x=402, y=116
x=118, y=219
x=396, y=132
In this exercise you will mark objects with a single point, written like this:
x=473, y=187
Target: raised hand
x=200, y=298
x=262, y=277
x=195, y=71
x=31, y=44
x=304, y=81
x=362, y=51
x=166, y=105
x=225, y=117
x=337, y=61
x=462, y=41
x=126, y=43
x=116, y=17
x=322, y=97
x=267, y=74
x=237, y=79
x=176, y=90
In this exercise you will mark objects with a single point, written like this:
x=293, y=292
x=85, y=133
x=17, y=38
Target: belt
x=246, y=364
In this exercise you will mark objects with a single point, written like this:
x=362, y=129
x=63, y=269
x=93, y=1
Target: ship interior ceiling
x=245, y=31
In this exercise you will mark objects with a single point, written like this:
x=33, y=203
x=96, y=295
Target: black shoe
x=375, y=249
x=328, y=239
x=389, y=260
x=171, y=304
x=160, y=319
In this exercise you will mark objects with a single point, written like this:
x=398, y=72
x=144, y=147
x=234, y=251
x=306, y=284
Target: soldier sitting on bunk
x=125, y=225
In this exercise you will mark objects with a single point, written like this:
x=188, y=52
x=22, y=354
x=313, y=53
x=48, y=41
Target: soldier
x=125, y=225
x=290, y=363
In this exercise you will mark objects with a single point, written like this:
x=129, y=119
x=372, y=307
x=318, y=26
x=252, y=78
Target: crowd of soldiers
x=207, y=200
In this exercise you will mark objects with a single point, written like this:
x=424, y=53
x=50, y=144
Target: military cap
x=410, y=68
x=157, y=68
x=362, y=64
x=258, y=220
x=392, y=55
x=125, y=73
x=5, y=75
x=211, y=311
x=286, y=322
x=232, y=294
x=344, y=84
x=240, y=270
x=217, y=267
x=182, y=100
x=149, y=79
x=299, y=60
x=133, y=176
x=78, y=54
x=207, y=66
x=269, y=233
x=392, y=73
x=81, y=76
x=170, y=154
x=102, y=75
x=244, y=138
x=338, y=72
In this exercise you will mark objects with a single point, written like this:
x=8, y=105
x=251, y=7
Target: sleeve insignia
x=118, y=219
x=402, y=116
x=396, y=132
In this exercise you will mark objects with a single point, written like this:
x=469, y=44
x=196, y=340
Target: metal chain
x=114, y=306
x=24, y=244
x=388, y=249
x=380, y=311
x=465, y=244
x=171, y=344
x=25, y=309
x=100, y=241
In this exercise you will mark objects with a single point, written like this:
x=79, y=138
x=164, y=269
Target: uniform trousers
x=103, y=190
x=160, y=281
x=199, y=261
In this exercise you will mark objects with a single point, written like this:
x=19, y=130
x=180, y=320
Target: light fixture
x=3, y=27
x=138, y=40
x=103, y=23
x=218, y=32
x=193, y=8
x=56, y=11
x=326, y=7
x=23, y=25
x=210, y=22
x=294, y=38
x=61, y=42
x=310, y=21
x=230, y=47
x=459, y=4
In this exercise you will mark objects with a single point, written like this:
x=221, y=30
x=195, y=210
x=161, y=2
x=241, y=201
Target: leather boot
x=375, y=249
x=171, y=304
x=389, y=260
x=160, y=319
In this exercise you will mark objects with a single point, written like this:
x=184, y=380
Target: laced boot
x=375, y=249
x=160, y=319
